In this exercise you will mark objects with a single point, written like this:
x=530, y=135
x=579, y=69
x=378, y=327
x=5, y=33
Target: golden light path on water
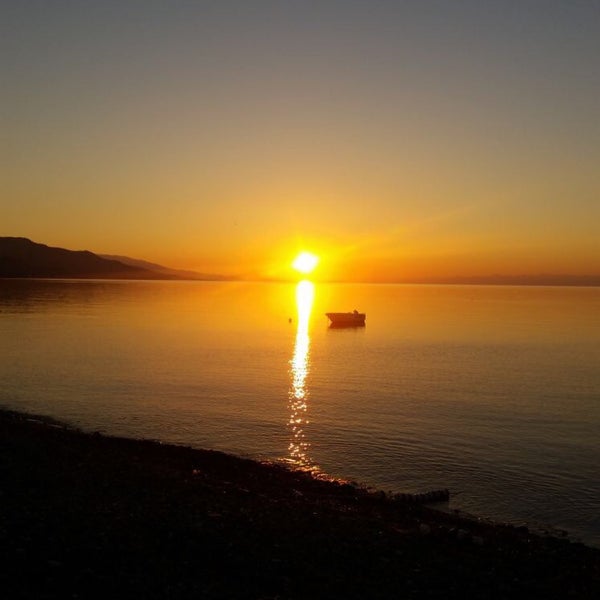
x=299, y=368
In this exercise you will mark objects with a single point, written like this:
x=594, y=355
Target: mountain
x=177, y=273
x=543, y=279
x=20, y=257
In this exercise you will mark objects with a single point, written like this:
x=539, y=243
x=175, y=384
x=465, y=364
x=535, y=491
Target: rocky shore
x=92, y=516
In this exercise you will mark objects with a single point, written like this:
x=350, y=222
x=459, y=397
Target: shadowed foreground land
x=89, y=516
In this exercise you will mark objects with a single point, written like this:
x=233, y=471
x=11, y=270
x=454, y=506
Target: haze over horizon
x=396, y=140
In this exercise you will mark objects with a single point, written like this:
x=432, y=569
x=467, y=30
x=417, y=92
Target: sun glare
x=305, y=262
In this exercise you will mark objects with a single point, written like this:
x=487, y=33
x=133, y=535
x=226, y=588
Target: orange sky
x=397, y=141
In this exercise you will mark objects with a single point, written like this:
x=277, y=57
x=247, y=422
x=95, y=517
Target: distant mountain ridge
x=21, y=257
x=541, y=279
x=177, y=273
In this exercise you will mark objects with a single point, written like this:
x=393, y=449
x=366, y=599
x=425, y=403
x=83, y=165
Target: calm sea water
x=492, y=392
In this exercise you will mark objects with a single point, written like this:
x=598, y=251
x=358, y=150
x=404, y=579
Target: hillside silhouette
x=20, y=257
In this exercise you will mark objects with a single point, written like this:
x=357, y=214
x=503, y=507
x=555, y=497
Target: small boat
x=347, y=319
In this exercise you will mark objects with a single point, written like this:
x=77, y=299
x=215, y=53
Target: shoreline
x=90, y=515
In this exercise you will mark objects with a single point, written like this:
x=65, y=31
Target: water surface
x=493, y=392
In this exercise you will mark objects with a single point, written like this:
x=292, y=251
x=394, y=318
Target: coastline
x=88, y=515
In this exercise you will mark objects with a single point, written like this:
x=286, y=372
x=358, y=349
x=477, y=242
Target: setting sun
x=305, y=262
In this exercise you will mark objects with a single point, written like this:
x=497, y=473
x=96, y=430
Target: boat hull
x=347, y=319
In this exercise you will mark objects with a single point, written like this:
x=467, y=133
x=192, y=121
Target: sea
x=492, y=392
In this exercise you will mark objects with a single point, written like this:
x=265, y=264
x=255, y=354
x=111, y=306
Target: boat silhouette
x=346, y=319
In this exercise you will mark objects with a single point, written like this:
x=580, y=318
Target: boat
x=346, y=319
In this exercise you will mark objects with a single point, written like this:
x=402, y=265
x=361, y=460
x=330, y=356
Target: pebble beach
x=84, y=515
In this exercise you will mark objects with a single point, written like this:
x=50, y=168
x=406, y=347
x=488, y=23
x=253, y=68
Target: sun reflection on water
x=299, y=368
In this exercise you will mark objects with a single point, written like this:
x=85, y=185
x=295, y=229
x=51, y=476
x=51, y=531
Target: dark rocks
x=423, y=498
x=86, y=516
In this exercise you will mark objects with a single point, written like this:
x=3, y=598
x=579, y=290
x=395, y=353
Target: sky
x=395, y=139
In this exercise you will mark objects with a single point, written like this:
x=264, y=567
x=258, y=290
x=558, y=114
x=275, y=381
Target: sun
x=305, y=262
